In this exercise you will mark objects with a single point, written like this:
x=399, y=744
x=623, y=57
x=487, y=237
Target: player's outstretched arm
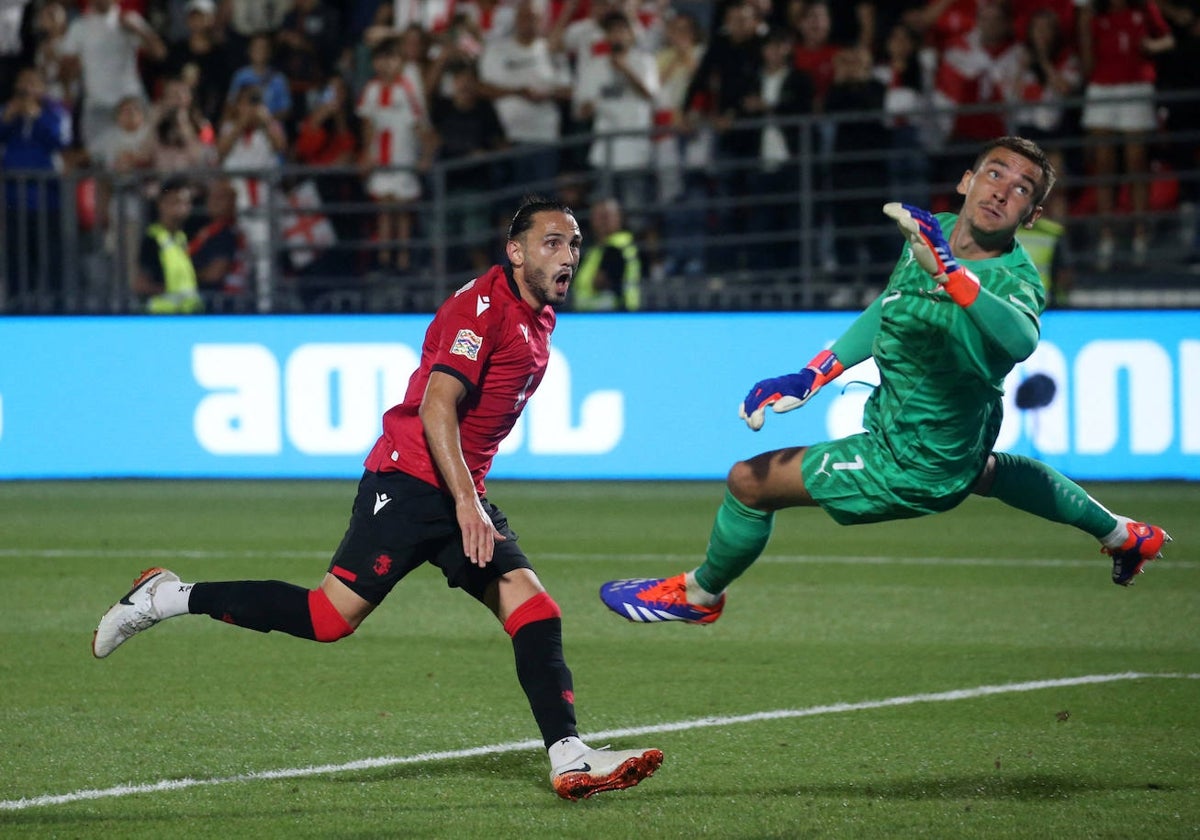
x=792, y=390
x=1010, y=325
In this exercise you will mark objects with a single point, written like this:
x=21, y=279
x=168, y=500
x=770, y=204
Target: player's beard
x=544, y=287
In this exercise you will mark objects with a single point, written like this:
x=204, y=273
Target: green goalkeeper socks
x=1033, y=487
x=739, y=535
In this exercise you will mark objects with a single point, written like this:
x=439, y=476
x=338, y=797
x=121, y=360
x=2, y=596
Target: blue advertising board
x=626, y=396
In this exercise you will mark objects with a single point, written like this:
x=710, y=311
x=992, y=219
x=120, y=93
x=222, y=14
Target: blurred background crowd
x=308, y=155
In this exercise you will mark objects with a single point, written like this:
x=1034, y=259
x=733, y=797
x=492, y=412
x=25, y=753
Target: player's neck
x=969, y=244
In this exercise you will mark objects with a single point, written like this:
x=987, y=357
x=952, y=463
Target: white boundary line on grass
x=516, y=746
x=806, y=559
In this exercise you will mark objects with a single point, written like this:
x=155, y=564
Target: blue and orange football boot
x=1144, y=543
x=648, y=600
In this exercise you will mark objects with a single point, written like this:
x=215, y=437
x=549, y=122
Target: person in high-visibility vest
x=1048, y=246
x=610, y=274
x=166, y=279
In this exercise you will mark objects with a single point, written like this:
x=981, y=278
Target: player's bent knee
x=538, y=608
x=328, y=624
x=744, y=484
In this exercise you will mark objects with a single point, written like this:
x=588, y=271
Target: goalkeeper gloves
x=783, y=393
x=932, y=251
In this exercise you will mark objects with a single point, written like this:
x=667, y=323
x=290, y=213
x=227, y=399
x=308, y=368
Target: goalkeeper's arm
x=783, y=393
x=1014, y=329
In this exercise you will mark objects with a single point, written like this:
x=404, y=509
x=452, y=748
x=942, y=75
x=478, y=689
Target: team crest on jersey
x=466, y=343
x=382, y=565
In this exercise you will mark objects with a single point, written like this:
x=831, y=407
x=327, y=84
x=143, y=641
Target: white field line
x=595, y=737
x=134, y=554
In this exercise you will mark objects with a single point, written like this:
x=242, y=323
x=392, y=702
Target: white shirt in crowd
x=395, y=111
x=773, y=150
x=508, y=64
x=619, y=106
x=248, y=17
x=580, y=37
x=108, y=54
x=252, y=150
x=10, y=26
x=430, y=15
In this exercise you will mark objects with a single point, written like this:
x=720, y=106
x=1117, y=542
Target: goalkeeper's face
x=544, y=258
x=999, y=195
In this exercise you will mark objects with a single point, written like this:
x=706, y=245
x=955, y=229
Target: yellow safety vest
x=180, y=293
x=1040, y=242
x=588, y=298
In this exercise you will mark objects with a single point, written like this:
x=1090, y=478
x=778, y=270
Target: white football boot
x=596, y=771
x=132, y=614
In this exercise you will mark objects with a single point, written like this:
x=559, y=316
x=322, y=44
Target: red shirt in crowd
x=817, y=62
x=956, y=21
x=1023, y=10
x=1117, y=35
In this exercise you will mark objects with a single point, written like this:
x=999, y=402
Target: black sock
x=545, y=677
x=262, y=605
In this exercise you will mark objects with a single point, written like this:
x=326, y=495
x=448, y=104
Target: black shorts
x=400, y=522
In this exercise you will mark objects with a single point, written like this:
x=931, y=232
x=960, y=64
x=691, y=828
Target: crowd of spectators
x=161, y=87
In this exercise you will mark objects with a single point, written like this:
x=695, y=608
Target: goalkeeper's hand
x=931, y=250
x=783, y=393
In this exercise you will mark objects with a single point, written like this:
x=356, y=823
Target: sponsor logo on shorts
x=466, y=343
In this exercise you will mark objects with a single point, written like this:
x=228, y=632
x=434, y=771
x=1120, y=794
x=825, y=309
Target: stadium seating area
x=364, y=155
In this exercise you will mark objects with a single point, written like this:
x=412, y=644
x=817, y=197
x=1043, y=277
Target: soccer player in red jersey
x=422, y=499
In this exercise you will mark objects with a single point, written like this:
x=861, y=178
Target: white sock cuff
x=172, y=599
x=565, y=751
x=697, y=594
x=1117, y=536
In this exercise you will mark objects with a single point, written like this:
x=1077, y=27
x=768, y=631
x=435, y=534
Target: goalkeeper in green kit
x=960, y=310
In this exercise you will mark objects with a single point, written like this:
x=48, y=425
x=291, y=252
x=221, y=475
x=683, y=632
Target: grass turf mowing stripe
x=495, y=749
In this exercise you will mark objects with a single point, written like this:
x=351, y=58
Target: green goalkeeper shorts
x=856, y=480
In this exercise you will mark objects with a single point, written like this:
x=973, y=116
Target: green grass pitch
x=841, y=695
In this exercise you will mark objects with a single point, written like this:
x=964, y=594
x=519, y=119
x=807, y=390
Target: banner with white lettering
x=1106, y=396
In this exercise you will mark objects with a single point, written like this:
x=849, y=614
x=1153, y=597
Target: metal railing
x=729, y=235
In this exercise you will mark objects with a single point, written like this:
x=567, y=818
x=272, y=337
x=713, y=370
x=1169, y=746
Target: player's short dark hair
x=1030, y=151
x=522, y=220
